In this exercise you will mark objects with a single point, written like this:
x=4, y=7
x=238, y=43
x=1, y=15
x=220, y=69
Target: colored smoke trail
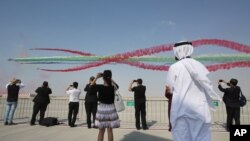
x=64, y=50
x=212, y=68
x=204, y=58
x=223, y=43
x=227, y=66
x=123, y=58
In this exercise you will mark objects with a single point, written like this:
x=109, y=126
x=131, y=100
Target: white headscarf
x=183, y=50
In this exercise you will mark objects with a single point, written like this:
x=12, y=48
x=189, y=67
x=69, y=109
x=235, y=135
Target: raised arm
x=220, y=87
x=7, y=85
x=130, y=86
x=99, y=75
x=21, y=85
x=114, y=83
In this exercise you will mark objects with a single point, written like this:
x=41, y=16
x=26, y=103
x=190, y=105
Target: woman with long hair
x=106, y=116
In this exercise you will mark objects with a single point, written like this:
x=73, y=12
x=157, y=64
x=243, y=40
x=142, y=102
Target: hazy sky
x=108, y=27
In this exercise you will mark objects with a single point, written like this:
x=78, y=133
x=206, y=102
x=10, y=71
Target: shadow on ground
x=138, y=136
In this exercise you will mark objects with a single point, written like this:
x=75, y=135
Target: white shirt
x=74, y=94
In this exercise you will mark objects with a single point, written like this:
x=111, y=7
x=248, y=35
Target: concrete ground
x=24, y=132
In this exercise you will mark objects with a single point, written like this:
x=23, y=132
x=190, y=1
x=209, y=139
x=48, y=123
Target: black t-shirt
x=139, y=93
x=13, y=91
x=106, y=94
x=91, y=95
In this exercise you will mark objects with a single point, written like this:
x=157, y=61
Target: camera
x=18, y=81
x=134, y=80
x=101, y=74
x=221, y=80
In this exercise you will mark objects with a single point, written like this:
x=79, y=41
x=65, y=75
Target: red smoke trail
x=226, y=66
x=223, y=43
x=87, y=66
x=65, y=50
x=147, y=66
x=119, y=58
x=211, y=68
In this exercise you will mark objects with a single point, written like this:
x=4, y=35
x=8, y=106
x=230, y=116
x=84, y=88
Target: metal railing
x=156, y=110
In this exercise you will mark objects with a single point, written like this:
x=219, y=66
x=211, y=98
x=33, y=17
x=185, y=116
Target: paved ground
x=24, y=132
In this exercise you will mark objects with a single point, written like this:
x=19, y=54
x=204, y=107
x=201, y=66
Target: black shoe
x=145, y=128
x=73, y=125
x=6, y=123
x=170, y=129
x=31, y=124
x=138, y=128
x=12, y=123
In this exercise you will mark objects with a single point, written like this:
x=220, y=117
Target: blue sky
x=107, y=27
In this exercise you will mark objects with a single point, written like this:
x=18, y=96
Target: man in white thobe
x=192, y=96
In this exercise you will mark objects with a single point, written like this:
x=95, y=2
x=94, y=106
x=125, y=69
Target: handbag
x=242, y=99
x=49, y=121
x=119, y=104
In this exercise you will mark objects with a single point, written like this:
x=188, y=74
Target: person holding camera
x=41, y=102
x=231, y=100
x=13, y=88
x=90, y=102
x=74, y=97
x=106, y=116
x=140, y=103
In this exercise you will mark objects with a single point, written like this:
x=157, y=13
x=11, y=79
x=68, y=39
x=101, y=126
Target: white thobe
x=190, y=116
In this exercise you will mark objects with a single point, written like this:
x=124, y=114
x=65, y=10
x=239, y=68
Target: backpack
x=242, y=99
x=49, y=121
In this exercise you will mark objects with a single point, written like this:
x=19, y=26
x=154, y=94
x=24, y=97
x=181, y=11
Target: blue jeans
x=9, y=111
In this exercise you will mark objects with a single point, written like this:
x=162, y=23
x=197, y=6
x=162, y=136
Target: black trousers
x=36, y=108
x=73, y=111
x=233, y=113
x=91, y=108
x=140, y=112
